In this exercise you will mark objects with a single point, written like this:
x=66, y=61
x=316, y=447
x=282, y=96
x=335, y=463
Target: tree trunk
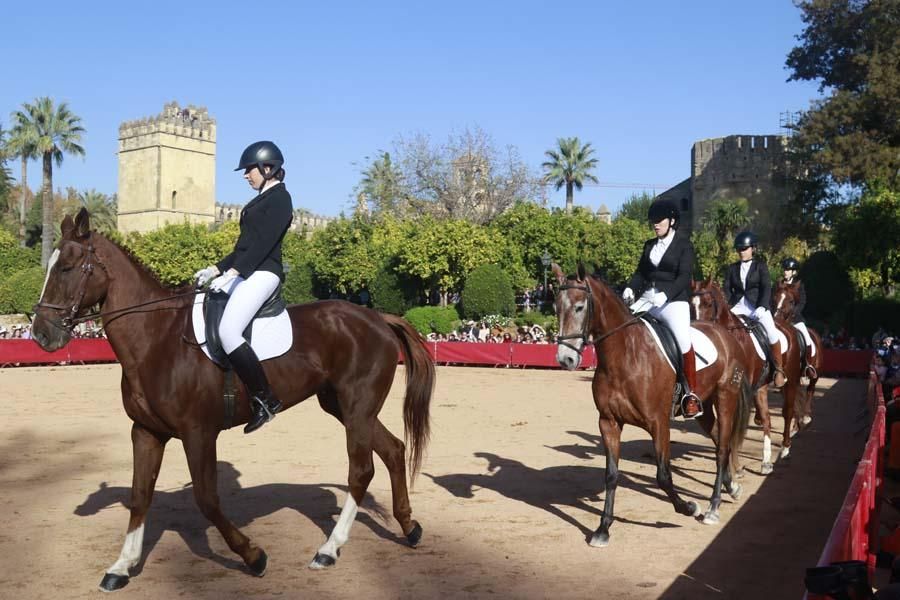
x=47, y=205
x=22, y=199
x=570, y=197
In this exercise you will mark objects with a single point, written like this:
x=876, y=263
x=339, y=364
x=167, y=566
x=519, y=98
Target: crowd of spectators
x=480, y=332
x=886, y=365
x=89, y=329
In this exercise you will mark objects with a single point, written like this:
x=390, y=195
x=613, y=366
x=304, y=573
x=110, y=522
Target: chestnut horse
x=708, y=304
x=633, y=384
x=785, y=297
x=344, y=354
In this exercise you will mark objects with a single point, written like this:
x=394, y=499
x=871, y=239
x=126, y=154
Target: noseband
x=69, y=321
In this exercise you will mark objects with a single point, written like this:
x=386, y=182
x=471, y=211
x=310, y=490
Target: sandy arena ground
x=512, y=485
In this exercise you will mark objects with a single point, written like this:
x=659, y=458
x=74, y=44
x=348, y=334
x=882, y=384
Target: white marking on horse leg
x=767, y=449
x=131, y=552
x=53, y=258
x=785, y=451
x=341, y=532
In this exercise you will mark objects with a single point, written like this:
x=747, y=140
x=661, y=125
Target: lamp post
x=546, y=259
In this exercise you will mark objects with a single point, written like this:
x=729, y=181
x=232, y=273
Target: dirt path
x=512, y=484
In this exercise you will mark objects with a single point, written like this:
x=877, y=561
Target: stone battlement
x=192, y=122
x=302, y=217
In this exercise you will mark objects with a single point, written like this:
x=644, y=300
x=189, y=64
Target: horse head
x=585, y=306
x=75, y=281
x=785, y=297
x=707, y=299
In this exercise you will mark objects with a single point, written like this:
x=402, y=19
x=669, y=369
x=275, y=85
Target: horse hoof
x=322, y=561
x=112, y=582
x=736, y=491
x=766, y=468
x=258, y=566
x=599, y=540
x=693, y=509
x=710, y=518
x=415, y=536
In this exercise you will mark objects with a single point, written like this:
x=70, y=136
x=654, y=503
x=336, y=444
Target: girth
x=213, y=309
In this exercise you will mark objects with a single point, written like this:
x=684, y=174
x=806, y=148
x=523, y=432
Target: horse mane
x=599, y=278
x=129, y=253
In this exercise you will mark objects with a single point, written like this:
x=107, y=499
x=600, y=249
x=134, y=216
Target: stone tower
x=167, y=169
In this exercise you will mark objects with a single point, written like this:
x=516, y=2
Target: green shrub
x=488, y=291
x=299, y=284
x=21, y=291
x=14, y=258
x=392, y=293
x=427, y=319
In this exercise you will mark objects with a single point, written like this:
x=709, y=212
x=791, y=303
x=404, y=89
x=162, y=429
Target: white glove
x=204, y=275
x=660, y=299
x=759, y=312
x=222, y=282
x=628, y=295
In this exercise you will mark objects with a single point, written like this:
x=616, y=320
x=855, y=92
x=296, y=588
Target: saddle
x=214, y=308
x=673, y=353
x=757, y=330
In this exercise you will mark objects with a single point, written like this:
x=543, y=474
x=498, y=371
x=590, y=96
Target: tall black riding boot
x=263, y=403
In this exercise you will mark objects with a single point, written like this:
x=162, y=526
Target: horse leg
x=789, y=392
x=762, y=409
x=611, y=432
x=392, y=452
x=724, y=420
x=200, y=449
x=660, y=434
x=148, y=454
x=360, y=433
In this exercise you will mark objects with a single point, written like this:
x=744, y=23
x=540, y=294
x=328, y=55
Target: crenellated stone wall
x=167, y=169
x=303, y=219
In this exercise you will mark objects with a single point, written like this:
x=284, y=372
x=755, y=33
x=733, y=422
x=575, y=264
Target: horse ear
x=67, y=227
x=83, y=223
x=582, y=273
x=558, y=273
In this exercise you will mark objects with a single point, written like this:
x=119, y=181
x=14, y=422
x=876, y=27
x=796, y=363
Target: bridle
x=70, y=310
x=588, y=320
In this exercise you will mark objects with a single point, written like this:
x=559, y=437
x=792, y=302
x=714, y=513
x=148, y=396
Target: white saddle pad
x=811, y=344
x=759, y=351
x=703, y=347
x=270, y=336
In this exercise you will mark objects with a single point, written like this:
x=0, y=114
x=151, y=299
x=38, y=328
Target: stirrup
x=811, y=372
x=683, y=404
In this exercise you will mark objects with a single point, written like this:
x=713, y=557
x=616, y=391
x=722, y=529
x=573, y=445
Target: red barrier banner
x=846, y=362
x=27, y=352
x=472, y=353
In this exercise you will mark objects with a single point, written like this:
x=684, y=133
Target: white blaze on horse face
x=131, y=552
x=695, y=303
x=564, y=354
x=780, y=301
x=341, y=532
x=53, y=258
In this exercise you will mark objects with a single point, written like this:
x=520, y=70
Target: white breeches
x=677, y=315
x=809, y=341
x=246, y=298
x=745, y=308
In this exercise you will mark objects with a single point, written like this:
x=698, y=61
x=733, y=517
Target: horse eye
x=579, y=307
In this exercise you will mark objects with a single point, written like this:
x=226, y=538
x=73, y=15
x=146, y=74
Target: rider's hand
x=759, y=312
x=204, y=275
x=628, y=295
x=660, y=299
x=222, y=282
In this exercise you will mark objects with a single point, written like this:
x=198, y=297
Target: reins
x=588, y=321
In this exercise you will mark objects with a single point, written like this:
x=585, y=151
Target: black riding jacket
x=672, y=275
x=759, y=284
x=264, y=222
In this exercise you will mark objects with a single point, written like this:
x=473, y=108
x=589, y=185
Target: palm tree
x=4, y=172
x=22, y=145
x=381, y=185
x=53, y=131
x=570, y=165
x=102, y=209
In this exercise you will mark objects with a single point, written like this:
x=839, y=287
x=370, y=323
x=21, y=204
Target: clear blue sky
x=334, y=82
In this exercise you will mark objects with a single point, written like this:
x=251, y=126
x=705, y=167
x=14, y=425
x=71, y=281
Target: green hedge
x=427, y=319
x=21, y=291
x=299, y=284
x=829, y=290
x=392, y=293
x=488, y=291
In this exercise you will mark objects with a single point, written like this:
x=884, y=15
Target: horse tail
x=741, y=422
x=419, y=389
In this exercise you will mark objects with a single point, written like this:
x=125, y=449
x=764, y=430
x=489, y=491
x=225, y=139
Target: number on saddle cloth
x=214, y=308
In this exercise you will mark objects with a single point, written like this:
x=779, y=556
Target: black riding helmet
x=259, y=154
x=663, y=209
x=790, y=263
x=745, y=239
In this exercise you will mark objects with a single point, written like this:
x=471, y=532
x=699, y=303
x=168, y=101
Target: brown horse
x=344, y=354
x=708, y=304
x=785, y=297
x=633, y=384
